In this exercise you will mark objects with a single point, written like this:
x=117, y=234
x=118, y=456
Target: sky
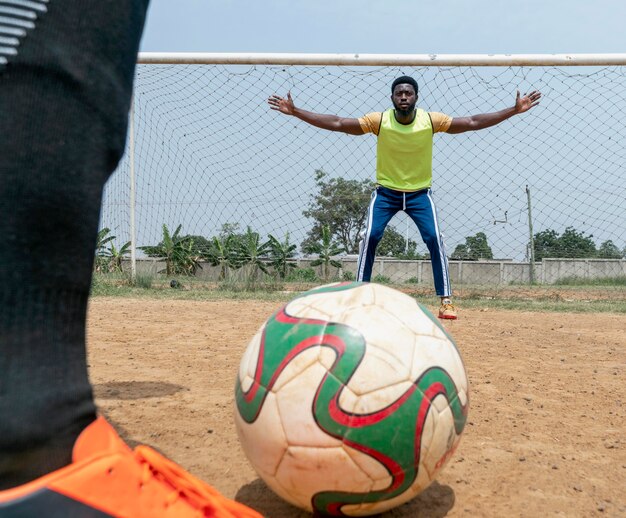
x=386, y=26
x=196, y=156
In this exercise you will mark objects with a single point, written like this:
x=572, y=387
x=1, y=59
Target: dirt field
x=546, y=434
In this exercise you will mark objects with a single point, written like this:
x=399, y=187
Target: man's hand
x=328, y=122
x=282, y=104
x=523, y=104
x=486, y=120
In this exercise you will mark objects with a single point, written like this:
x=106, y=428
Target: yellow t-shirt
x=370, y=123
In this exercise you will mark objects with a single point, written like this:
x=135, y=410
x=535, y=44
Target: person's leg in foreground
x=66, y=73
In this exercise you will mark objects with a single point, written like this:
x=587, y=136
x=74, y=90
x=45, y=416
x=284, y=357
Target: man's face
x=404, y=99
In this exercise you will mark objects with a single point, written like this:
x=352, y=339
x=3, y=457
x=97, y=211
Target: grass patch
x=568, y=299
x=605, y=281
x=143, y=281
x=381, y=279
x=543, y=306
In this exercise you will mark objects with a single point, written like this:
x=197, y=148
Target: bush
x=143, y=280
x=381, y=279
x=602, y=281
x=302, y=275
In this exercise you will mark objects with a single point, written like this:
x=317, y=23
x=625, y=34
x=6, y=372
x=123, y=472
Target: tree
x=229, y=229
x=280, y=253
x=101, y=250
x=546, y=244
x=326, y=250
x=220, y=252
x=249, y=252
x=103, y=239
x=474, y=249
x=608, y=250
x=114, y=257
x=232, y=232
x=200, y=243
x=393, y=244
x=109, y=258
x=340, y=205
x=576, y=244
x=178, y=253
x=571, y=244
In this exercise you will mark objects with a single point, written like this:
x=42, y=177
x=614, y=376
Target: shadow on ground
x=434, y=502
x=128, y=390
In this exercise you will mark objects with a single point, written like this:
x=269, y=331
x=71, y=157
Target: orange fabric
x=99, y=437
x=370, y=123
x=108, y=476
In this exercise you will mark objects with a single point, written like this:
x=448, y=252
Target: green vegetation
x=244, y=265
x=573, y=244
x=348, y=277
x=563, y=298
x=302, y=275
x=143, y=281
x=605, y=281
x=393, y=244
x=341, y=206
x=325, y=250
x=474, y=249
x=108, y=256
x=179, y=253
x=281, y=253
x=249, y=254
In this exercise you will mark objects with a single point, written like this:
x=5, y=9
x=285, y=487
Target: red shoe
x=108, y=479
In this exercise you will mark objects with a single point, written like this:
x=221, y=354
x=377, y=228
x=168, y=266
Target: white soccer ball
x=350, y=399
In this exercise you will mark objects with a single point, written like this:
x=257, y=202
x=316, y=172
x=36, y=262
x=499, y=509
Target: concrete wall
x=461, y=272
x=555, y=269
x=549, y=271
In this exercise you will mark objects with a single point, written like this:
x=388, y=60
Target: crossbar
x=422, y=60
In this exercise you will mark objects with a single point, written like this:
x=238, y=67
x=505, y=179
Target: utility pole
x=532, y=239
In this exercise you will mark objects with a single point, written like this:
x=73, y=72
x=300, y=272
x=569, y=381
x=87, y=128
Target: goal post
x=208, y=152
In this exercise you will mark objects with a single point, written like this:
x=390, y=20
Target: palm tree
x=250, y=253
x=115, y=256
x=220, y=253
x=280, y=253
x=101, y=250
x=326, y=250
x=179, y=253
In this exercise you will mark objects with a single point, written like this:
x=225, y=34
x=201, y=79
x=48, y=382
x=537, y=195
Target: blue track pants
x=420, y=207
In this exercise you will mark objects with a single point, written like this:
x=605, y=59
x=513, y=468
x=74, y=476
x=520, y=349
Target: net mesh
x=209, y=151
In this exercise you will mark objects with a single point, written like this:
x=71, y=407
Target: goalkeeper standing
x=404, y=168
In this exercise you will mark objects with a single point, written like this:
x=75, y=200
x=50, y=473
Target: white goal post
x=413, y=60
x=205, y=150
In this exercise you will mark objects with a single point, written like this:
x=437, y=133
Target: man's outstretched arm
x=485, y=120
x=328, y=122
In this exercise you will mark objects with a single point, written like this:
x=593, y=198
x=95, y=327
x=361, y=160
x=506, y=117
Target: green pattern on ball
x=392, y=436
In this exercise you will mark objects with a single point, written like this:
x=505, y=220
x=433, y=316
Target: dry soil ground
x=547, y=425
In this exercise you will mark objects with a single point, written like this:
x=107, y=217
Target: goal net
x=209, y=155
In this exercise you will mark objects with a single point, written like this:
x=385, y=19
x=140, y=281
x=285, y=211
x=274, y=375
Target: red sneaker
x=108, y=479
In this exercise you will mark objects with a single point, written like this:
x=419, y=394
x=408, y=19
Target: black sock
x=64, y=102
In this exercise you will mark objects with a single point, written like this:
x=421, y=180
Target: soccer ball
x=350, y=399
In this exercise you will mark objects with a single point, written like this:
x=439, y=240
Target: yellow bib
x=404, y=156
